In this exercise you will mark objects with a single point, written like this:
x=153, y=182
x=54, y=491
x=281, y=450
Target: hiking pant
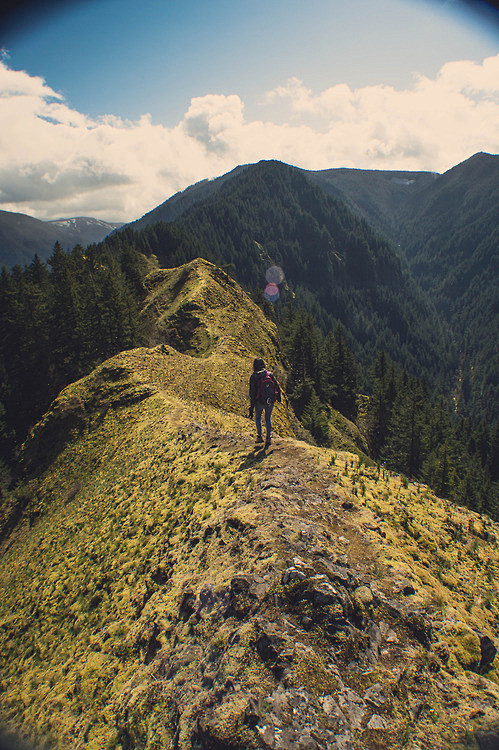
x=258, y=417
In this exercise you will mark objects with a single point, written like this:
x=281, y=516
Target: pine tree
x=380, y=403
x=493, y=457
x=404, y=446
x=342, y=377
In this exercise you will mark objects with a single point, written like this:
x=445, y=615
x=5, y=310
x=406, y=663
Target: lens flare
x=271, y=292
x=274, y=275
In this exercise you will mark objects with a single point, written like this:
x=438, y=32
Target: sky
x=109, y=107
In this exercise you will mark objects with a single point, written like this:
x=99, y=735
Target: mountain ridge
x=22, y=236
x=443, y=230
x=334, y=263
x=167, y=584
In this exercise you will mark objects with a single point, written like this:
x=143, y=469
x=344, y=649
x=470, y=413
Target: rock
x=343, y=560
x=420, y=627
x=267, y=733
x=391, y=636
x=377, y=722
x=292, y=574
x=376, y=695
x=244, y=590
x=343, y=742
x=353, y=706
x=270, y=641
x=259, y=587
x=347, y=505
x=331, y=708
x=338, y=573
x=488, y=740
x=363, y=596
x=323, y=592
x=240, y=584
x=383, y=628
x=488, y=653
x=298, y=562
x=415, y=710
x=375, y=640
x=213, y=604
x=251, y=714
x=306, y=742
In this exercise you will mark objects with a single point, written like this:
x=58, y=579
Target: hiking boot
x=267, y=442
x=259, y=439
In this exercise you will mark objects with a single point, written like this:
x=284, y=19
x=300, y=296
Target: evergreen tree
x=380, y=403
x=493, y=457
x=342, y=376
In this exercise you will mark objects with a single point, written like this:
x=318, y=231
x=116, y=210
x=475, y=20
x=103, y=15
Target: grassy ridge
x=169, y=586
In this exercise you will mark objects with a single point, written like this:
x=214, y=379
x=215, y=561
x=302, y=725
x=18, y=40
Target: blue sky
x=111, y=106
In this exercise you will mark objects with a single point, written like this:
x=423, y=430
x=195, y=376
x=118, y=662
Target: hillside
x=383, y=198
x=451, y=243
x=335, y=265
x=446, y=228
x=442, y=228
x=22, y=237
x=166, y=585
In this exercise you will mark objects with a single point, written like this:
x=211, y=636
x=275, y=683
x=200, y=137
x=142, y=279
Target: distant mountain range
x=22, y=237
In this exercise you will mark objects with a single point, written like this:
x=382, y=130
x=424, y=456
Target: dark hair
x=258, y=365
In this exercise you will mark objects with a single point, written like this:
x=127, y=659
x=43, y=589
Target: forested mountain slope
x=446, y=227
x=334, y=263
x=383, y=198
x=452, y=245
x=165, y=584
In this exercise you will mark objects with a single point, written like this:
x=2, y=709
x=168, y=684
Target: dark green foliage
x=451, y=243
x=446, y=228
x=338, y=374
x=407, y=429
x=59, y=321
x=336, y=266
x=323, y=371
x=420, y=438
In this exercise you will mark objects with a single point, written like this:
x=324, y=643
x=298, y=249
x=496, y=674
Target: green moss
x=464, y=643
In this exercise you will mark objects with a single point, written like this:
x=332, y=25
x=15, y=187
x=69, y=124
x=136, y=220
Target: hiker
x=264, y=392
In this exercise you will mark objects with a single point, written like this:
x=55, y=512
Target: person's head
x=258, y=365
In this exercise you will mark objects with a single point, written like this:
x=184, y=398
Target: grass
x=157, y=493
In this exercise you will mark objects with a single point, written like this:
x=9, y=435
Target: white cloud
x=55, y=161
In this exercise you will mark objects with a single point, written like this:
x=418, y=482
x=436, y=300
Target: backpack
x=266, y=391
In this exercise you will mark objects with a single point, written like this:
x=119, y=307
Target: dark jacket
x=253, y=386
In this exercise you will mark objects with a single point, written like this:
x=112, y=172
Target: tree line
x=406, y=428
x=59, y=320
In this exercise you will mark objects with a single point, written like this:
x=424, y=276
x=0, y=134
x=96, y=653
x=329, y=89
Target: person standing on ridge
x=264, y=391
